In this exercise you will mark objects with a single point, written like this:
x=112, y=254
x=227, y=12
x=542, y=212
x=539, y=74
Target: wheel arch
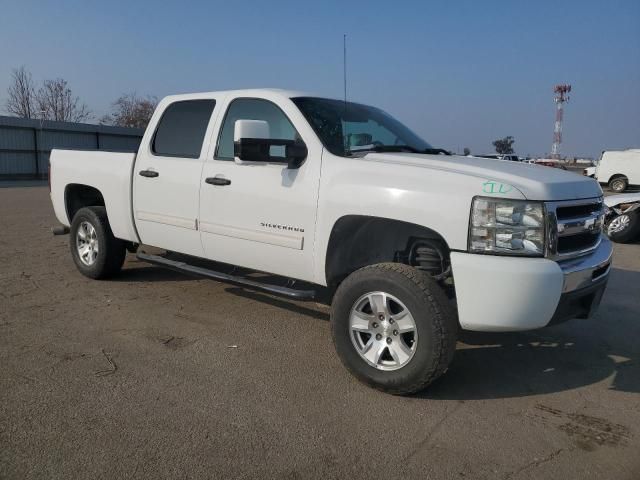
x=359, y=240
x=613, y=176
x=77, y=196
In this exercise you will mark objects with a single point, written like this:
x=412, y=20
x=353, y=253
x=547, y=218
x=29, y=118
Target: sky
x=459, y=73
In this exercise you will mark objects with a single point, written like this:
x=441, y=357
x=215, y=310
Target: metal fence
x=25, y=144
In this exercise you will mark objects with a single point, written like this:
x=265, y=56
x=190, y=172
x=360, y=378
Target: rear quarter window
x=180, y=131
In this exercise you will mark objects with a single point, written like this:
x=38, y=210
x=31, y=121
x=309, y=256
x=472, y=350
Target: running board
x=225, y=277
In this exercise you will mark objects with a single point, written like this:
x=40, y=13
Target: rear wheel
x=624, y=228
x=95, y=251
x=618, y=184
x=393, y=328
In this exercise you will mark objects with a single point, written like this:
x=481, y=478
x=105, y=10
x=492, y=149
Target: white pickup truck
x=408, y=242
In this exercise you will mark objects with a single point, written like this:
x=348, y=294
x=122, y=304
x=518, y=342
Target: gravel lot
x=159, y=375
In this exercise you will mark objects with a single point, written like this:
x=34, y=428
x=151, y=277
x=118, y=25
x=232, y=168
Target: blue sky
x=459, y=73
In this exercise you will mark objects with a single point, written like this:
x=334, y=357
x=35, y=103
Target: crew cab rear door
x=261, y=215
x=166, y=176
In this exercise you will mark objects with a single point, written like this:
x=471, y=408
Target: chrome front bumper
x=587, y=270
x=585, y=280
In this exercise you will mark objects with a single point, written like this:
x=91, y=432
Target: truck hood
x=535, y=182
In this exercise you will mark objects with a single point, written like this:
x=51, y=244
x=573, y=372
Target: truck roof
x=241, y=92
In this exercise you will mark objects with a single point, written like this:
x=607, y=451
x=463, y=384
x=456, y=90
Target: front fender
x=434, y=199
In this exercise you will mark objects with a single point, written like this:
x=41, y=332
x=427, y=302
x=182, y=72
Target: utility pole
x=37, y=141
x=561, y=97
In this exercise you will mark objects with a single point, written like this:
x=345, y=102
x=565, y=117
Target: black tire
x=631, y=230
x=111, y=251
x=435, y=320
x=618, y=184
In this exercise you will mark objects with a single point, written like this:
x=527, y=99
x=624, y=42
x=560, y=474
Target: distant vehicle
x=589, y=172
x=619, y=169
x=622, y=217
x=550, y=163
x=513, y=158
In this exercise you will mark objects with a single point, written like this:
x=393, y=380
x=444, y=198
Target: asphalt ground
x=159, y=375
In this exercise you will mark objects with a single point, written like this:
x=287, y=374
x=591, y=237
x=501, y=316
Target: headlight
x=513, y=227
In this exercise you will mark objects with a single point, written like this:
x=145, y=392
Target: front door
x=261, y=215
x=167, y=178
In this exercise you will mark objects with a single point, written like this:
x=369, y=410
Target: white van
x=619, y=169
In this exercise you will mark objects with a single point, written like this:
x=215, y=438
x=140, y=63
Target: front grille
x=578, y=242
x=574, y=227
x=574, y=211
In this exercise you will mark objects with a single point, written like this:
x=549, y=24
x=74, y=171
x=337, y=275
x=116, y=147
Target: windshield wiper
x=395, y=148
x=383, y=148
x=435, y=151
x=398, y=148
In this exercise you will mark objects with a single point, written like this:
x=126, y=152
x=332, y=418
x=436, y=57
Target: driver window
x=254, y=109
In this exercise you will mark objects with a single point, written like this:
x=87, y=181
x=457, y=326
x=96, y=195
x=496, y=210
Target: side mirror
x=295, y=153
x=252, y=143
x=250, y=139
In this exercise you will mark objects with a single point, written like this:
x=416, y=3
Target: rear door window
x=180, y=132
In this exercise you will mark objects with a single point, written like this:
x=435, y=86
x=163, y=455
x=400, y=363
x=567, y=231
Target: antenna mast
x=561, y=96
x=344, y=65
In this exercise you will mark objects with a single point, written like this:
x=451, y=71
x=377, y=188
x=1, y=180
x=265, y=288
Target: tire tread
x=115, y=249
x=445, y=325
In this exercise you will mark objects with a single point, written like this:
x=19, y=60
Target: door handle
x=218, y=181
x=148, y=173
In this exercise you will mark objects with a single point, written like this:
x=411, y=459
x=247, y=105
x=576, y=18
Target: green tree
x=504, y=145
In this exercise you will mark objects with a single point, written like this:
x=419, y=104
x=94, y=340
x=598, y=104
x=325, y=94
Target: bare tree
x=131, y=111
x=56, y=101
x=22, y=94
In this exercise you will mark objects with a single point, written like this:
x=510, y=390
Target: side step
x=225, y=277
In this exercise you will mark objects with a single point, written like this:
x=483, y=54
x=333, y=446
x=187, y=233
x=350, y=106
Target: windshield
x=347, y=129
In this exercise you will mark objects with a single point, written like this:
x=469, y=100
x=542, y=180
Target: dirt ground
x=159, y=375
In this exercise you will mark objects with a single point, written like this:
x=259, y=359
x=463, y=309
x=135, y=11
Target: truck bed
x=108, y=172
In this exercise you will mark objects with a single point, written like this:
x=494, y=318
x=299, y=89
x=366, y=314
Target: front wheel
x=618, y=184
x=95, y=251
x=624, y=228
x=393, y=328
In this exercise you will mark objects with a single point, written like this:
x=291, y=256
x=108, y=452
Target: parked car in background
x=550, y=163
x=589, y=171
x=622, y=217
x=619, y=169
x=499, y=156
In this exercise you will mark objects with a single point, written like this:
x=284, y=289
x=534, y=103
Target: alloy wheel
x=87, y=243
x=383, y=331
